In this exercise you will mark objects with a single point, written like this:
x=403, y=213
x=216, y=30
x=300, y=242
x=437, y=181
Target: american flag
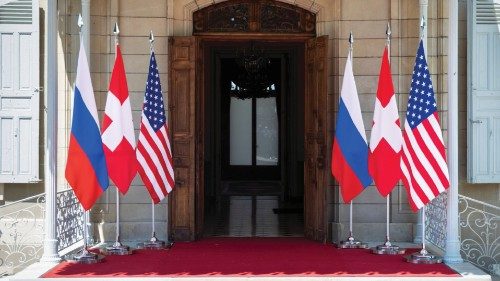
x=153, y=149
x=425, y=172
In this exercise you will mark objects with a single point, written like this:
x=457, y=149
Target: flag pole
x=387, y=248
x=153, y=243
x=351, y=242
x=84, y=256
x=153, y=234
x=85, y=212
x=423, y=36
x=152, y=218
x=117, y=248
x=350, y=222
x=423, y=257
x=116, y=32
x=388, y=198
x=423, y=251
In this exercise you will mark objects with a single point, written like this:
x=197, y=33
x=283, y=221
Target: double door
x=188, y=76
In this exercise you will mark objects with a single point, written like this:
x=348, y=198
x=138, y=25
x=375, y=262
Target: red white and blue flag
x=153, y=149
x=118, y=129
x=350, y=149
x=423, y=163
x=386, y=138
x=86, y=170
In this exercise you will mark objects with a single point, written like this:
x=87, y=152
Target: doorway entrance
x=200, y=121
x=254, y=139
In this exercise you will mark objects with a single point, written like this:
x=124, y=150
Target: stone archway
x=254, y=17
x=180, y=20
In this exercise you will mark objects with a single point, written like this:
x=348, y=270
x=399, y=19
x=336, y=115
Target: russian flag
x=86, y=170
x=350, y=148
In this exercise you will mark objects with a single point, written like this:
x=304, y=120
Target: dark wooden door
x=315, y=166
x=182, y=119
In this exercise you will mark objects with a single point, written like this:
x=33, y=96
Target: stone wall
x=369, y=26
x=135, y=20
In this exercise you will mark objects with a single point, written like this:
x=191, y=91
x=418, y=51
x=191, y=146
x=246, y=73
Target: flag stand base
x=388, y=249
x=155, y=244
x=118, y=249
x=423, y=257
x=351, y=243
x=86, y=257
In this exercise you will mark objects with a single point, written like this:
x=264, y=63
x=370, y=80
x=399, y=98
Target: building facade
x=189, y=37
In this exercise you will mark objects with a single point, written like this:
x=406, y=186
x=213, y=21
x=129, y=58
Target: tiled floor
x=256, y=216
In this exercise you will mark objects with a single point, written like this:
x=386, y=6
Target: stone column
x=452, y=252
x=50, y=241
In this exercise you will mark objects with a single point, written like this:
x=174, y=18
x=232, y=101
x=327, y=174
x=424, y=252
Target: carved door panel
x=181, y=99
x=315, y=167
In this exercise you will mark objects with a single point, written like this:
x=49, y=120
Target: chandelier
x=253, y=78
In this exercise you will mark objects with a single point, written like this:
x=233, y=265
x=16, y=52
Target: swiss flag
x=386, y=139
x=118, y=130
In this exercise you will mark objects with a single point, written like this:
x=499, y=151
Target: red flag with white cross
x=118, y=129
x=386, y=138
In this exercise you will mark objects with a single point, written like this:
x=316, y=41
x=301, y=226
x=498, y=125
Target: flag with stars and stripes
x=153, y=148
x=423, y=163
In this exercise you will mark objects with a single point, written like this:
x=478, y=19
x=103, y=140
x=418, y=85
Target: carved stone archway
x=323, y=16
x=247, y=16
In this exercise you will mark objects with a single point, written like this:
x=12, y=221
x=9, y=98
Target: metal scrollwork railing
x=480, y=234
x=22, y=229
x=21, y=233
x=435, y=223
x=69, y=220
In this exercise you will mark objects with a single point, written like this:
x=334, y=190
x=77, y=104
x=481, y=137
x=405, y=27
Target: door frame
x=187, y=76
x=243, y=20
x=203, y=45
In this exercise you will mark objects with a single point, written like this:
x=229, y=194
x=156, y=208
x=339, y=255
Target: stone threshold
x=467, y=271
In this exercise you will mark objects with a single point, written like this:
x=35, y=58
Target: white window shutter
x=19, y=91
x=484, y=92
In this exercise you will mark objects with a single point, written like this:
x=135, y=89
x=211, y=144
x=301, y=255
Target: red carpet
x=250, y=257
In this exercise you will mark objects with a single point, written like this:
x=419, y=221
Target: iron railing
x=21, y=233
x=22, y=229
x=479, y=230
x=435, y=222
x=69, y=220
x=480, y=234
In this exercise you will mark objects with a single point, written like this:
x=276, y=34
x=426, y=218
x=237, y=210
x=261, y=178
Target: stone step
x=467, y=272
